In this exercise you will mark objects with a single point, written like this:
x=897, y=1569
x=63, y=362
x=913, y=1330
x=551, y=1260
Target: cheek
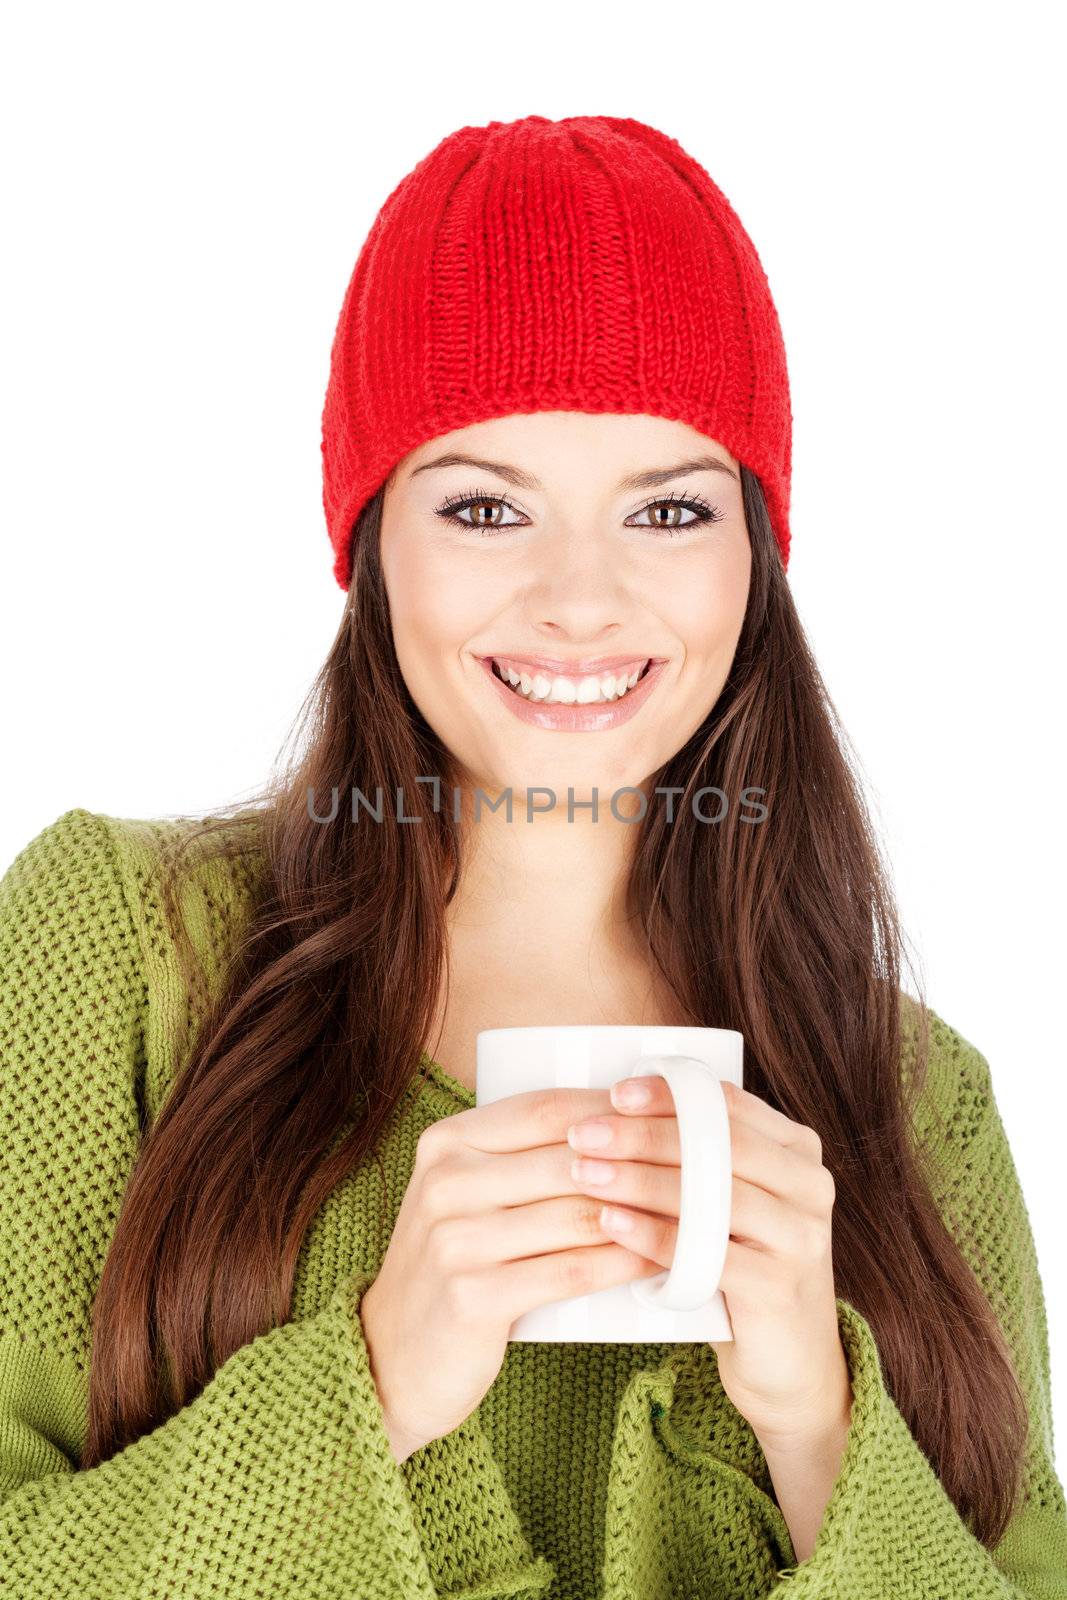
x=436, y=606
x=705, y=608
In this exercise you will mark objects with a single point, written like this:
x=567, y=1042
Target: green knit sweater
x=588, y=1471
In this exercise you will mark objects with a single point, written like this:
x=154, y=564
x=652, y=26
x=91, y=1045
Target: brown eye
x=668, y=517
x=666, y=513
x=487, y=509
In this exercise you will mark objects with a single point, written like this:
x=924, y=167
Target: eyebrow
x=523, y=480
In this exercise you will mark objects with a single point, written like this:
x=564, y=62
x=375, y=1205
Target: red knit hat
x=586, y=264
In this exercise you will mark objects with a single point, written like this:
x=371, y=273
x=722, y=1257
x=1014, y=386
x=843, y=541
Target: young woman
x=569, y=759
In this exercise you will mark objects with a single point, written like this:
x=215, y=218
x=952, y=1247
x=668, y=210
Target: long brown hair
x=329, y=996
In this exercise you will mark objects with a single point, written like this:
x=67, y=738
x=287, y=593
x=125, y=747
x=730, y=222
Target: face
x=601, y=561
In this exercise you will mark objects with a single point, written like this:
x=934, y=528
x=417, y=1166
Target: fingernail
x=615, y=1221
x=584, y=1171
x=589, y=1135
x=630, y=1092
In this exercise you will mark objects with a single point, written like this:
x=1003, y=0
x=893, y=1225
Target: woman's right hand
x=491, y=1225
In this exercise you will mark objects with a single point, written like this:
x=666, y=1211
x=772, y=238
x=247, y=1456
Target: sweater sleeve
x=890, y=1527
x=278, y=1477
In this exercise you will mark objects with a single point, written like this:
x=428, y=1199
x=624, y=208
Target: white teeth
x=591, y=690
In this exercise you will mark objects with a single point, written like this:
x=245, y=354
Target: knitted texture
x=586, y=264
x=588, y=1472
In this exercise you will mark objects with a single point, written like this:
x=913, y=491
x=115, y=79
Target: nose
x=577, y=591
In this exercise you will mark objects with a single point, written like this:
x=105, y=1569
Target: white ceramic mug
x=683, y=1303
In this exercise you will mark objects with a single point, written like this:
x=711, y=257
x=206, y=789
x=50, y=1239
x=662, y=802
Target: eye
x=449, y=511
x=670, y=505
x=493, y=505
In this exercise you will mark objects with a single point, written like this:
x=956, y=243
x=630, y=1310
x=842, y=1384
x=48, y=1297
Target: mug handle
x=707, y=1185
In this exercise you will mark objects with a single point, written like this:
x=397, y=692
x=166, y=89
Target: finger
x=655, y=1237
x=472, y=1242
x=522, y=1285
x=518, y=1121
x=648, y=1096
x=630, y=1183
x=790, y=1172
x=462, y=1181
x=768, y=1223
x=757, y=1217
x=656, y=1099
x=654, y=1139
x=744, y=1106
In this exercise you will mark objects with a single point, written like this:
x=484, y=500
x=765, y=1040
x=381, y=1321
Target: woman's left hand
x=785, y=1370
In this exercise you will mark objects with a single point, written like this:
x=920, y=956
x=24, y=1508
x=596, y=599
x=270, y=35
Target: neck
x=552, y=888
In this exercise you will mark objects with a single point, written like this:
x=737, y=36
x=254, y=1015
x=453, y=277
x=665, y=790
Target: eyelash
x=449, y=508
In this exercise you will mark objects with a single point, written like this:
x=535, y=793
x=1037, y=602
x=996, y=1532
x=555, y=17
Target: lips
x=500, y=664
x=585, y=667
x=593, y=717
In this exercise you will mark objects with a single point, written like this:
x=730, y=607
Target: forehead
x=535, y=447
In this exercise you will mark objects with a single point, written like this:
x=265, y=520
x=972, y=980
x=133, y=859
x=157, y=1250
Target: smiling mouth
x=545, y=688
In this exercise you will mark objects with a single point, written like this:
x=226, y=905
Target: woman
x=261, y=1250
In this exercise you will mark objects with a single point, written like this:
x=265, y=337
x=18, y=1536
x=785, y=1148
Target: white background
x=186, y=189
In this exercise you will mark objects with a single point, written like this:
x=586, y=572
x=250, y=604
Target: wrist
x=819, y=1434
x=400, y=1443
